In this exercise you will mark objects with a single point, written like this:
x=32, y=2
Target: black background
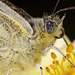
x=36, y=8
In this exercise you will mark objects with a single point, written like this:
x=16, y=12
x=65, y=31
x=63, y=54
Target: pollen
x=47, y=69
x=57, y=62
x=53, y=55
x=61, y=67
x=63, y=59
x=70, y=48
x=68, y=56
x=52, y=67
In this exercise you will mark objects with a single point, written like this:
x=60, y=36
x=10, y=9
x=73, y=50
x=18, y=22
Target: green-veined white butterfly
x=23, y=38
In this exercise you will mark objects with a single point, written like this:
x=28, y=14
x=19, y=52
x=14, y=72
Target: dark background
x=38, y=7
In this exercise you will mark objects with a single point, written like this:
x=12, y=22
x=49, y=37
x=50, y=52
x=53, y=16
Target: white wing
x=7, y=10
x=13, y=40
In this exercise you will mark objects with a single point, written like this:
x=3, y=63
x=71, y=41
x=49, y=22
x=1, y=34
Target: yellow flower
x=53, y=63
x=63, y=67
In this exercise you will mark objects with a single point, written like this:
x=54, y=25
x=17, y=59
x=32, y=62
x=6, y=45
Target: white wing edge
x=7, y=10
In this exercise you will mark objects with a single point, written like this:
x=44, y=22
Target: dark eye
x=51, y=26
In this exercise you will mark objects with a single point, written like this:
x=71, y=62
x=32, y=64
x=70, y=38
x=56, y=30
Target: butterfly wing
x=13, y=36
x=17, y=14
x=17, y=9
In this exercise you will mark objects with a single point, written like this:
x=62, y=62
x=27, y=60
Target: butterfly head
x=54, y=25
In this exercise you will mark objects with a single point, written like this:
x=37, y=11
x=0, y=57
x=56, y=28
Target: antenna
x=65, y=9
x=56, y=6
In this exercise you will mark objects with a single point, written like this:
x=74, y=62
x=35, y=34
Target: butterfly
x=23, y=38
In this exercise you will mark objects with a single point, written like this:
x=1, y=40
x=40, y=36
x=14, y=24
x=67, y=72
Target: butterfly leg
x=39, y=67
x=11, y=70
x=52, y=45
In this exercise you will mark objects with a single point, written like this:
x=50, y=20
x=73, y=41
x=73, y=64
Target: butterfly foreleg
x=11, y=70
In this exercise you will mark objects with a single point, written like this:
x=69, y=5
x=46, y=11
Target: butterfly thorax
x=41, y=38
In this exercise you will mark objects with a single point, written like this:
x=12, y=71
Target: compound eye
x=50, y=26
